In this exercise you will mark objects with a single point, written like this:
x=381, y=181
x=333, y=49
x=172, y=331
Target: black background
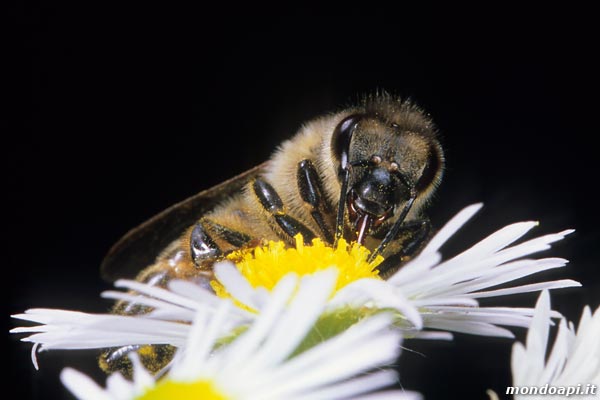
x=124, y=110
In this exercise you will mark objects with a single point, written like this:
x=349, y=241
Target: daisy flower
x=252, y=273
x=173, y=309
x=262, y=362
x=427, y=292
x=573, y=362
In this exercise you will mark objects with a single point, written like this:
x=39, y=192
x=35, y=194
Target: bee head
x=386, y=167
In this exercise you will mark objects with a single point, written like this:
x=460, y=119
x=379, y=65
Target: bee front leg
x=309, y=185
x=272, y=203
x=411, y=236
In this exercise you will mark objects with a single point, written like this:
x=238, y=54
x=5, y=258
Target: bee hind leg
x=153, y=357
x=409, y=240
x=172, y=264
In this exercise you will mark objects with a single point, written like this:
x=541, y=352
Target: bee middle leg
x=410, y=238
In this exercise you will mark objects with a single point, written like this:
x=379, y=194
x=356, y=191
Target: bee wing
x=139, y=247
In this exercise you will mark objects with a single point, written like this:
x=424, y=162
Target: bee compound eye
x=433, y=169
x=340, y=141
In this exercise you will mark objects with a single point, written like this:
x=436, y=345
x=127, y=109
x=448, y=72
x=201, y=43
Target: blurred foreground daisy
x=424, y=293
x=265, y=362
x=572, y=366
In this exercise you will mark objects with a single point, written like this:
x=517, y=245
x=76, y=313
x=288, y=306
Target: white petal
x=433, y=335
x=82, y=386
x=495, y=242
x=473, y=328
x=534, y=287
x=532, y=362
x=50, y=315
x=306, y=306
x=451, y=228
x=352, y=388
x=349, y=363
x=142, y=380
x=248, y=344
x=493, y=277
x=34, y=361
x=201, y=340
x=415, y=269
x=518, y=363
x=119, y=388
x=99, y=331
x=157, y=292
x=384, y=295
x=445, y=301
x=235, y=283
x=193, y=291
x=537, y=338
x=526, y=248
x=340, y=343
x=142, y=300
x=392, y=395
x=584, y=355
x=558, y=356
x=484, y=314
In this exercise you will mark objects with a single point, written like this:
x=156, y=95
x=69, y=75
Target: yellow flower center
x=170, y=390
x=264, y=266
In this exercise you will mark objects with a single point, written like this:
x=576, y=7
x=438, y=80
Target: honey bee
x=365, y=174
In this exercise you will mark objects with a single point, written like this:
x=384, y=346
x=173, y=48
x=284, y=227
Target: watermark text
x=547, y=389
